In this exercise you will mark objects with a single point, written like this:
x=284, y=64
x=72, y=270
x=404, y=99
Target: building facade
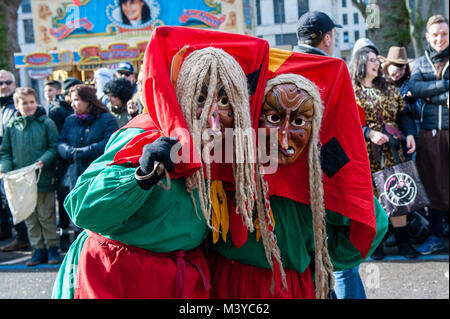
x=276, y=21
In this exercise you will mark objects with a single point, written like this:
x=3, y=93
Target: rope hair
x=214, y=67
x=324, y=280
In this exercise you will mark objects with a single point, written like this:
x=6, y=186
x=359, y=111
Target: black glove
x=158, y=151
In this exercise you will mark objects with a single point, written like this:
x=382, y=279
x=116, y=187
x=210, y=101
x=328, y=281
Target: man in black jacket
x=7, y=110
x=316, y=34
x=430, y=81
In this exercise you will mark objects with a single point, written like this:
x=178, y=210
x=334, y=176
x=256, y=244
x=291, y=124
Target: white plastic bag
x=21, y=191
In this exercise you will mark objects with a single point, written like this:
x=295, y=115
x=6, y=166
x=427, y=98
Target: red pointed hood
x=164, y=55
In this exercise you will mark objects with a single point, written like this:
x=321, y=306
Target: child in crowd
x=31, y=138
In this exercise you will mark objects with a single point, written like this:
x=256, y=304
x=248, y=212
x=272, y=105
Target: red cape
x=347, y=182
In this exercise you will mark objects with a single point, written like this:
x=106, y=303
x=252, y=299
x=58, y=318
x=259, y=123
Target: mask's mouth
x=287, y=152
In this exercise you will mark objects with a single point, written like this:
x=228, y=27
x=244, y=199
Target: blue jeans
x=348, y=284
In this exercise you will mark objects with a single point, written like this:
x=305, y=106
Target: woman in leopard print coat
x=375, y=96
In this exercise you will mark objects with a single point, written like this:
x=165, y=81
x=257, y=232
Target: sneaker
x=431, y=245
x=16, y=244
x=53, y=256
x=407, y=251
x=378, y=253
x=39, y=257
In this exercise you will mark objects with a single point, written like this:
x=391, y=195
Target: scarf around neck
x=435, y=56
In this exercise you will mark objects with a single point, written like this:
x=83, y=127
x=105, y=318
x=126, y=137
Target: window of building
x=258, y=12
x=344, y=19
x=278, y=11
x=287, y=38
x=344, y=3
x=28, y=30
x=26, y=6
x=346, y=37
x=356, y=35
x=303, y=7
x=355, y=18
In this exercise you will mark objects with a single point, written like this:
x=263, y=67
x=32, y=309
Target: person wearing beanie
x=363, y=43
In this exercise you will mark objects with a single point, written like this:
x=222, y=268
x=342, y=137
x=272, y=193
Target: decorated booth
x=76, y=37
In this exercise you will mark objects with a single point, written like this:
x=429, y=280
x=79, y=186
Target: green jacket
x=28, y=139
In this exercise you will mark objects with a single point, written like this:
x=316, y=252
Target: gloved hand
x=158, y=151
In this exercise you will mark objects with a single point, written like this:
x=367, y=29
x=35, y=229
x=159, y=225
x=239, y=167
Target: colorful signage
x=70, y=24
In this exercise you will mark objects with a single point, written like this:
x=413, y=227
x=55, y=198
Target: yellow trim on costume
x=256, y=223
x=277, y=57
x=220, y=218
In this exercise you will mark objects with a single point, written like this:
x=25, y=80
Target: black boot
x=378, y=253
x=404, y=246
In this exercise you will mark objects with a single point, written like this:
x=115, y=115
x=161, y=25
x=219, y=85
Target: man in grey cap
x=316, y=34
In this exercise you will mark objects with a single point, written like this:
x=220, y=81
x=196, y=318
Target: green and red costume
x=145, y=243
x=355, y=224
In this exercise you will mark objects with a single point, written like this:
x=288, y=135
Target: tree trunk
x=390, y=24
x=9, y=44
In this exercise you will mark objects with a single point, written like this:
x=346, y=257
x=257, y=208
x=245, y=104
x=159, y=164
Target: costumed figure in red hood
x=151, y=200
x=320, y=194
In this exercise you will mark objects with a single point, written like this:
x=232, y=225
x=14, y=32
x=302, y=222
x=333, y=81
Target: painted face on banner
x=220, y=115
x=290, y=111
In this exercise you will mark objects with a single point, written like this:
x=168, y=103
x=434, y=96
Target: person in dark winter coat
x=430, y=82
x=119, y=91
x=396, y=69
x=58, y=108
x=85, y=133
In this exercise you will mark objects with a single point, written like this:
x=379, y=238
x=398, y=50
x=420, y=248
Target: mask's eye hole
x=201, y=99
x=223, y=101
x=298, y=122
x=273, y=118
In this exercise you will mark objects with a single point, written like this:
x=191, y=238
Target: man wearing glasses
x=7, y=110
x=125, y=70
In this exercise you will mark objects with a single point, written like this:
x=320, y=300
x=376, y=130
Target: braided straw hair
x=323, y=267
x=213, y=67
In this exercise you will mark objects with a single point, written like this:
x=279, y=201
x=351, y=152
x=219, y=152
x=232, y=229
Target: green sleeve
x=111, y=184
x=108, y=200
x=342, y=252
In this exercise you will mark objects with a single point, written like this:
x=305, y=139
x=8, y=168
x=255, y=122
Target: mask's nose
x=283, y=135
x=213, y=116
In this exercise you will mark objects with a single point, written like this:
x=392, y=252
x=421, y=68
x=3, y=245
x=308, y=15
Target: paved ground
x=393, y=278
